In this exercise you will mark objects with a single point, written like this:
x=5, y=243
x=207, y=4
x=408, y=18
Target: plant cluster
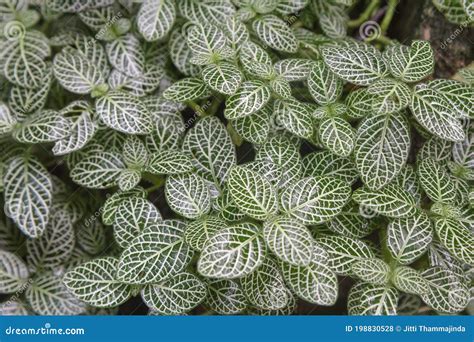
x=121, y=123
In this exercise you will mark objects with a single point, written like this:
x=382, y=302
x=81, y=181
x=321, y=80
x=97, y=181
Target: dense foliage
x=231, y=157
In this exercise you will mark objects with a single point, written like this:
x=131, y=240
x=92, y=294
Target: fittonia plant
x=110, y=192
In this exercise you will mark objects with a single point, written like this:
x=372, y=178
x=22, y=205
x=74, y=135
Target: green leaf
x=212, y=150
x=91, y=236
x=351, y=223
x=254, y=128
x=98, y=171
x=389, y=96
x=169, y=163
x=96, y=284
x=43, y=126
x=408, y=238
x=293, y=69
x=409, y=280
x=81, y=131
x=373, y=300
x=359, y=103
x=343, y=252
x=223, y=77
x=436, y=182
x=23, y=59
x=199, y=231
x=446, y=293
x=208, y=44
x=315, y=283
x=326, y=163
x=134, y=152
x=132, y=216
x=13, y=273
x=373, y=271
x=391, y=201
x=323, y=84
x=124, y=112
x=225, y=297
x=175, y=295
x=181, y=54
x=188, y=195
x=111, y=204
x=155, y=18
x=250, y=98
x=294, y=116
x=435, y=114
x=186, y=89
x=381, y=148
x=48, y=296
x=355, y=65
x=159, y=252
x=275, y=33
x=76, y=73
x=232, y=252
x=253, y=194
x=337, y=135
x=314, y=200
x=459, y=96
x=412, y=64
x=28, y=194
x=54, y=247
x=289, y=240
x=216, y=11
x=126, y=54
x=458, y=239
x=265, y=287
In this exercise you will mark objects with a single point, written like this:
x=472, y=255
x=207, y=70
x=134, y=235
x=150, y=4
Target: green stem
x=157, y=181
x=387, y=19
x=365, y=15
x=384, y=40
x=153, y=188
x=197, y=108
x=216, y=102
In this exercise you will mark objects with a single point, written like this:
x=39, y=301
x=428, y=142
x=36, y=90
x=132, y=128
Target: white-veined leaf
x=435, y=114
x=186, y=89
x=323, y=84
x=81, y=131
x=98, y=171
x=337, y=135
x=456, y=238
x=409, y=280
x=275, y=33
x=211, y=148
x=293, y=69
x=265, y=287
x=392, y=200
x=175, y=295
x=188, y=195
x=109, y=208
x=13, y=273
x=326, y=163
x=76, y=73
x=7, y=120
x=389, y=96
x=248, y=99
x=290, y=240
x=343, y=252
x=159, y=252
x=374, y=271
x=155, y=18
x=373, y=300
x=314, y=200
x=181, y=54
x=54, y=247
x=355, y=65
x=315, y=283
x=48, y=296
x=199, y=231
x=91, y=236
x=132, y=216
x=253, y=194
x=408, y=238
x=208, y=44
x=295, y=117
x=232, y=252
x=43, y=126
x=351, y=223
x=95, y=283
x=436, y=182
x=412, y=64
x=254, y=128
x=223, y=77
x=446, y=293
x=382, y=146
x=124, y=112
x=225, y=297
x=215, y=11
x=169, y=163
x=127, y=55
x=28, y=194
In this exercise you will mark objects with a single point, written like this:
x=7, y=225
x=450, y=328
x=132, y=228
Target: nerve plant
x=93, y=138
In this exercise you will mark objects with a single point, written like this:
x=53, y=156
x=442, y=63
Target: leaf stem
x=384, y=40
x=365, y=15
x=197, y=108
x=387, y=19
x=216, y=102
